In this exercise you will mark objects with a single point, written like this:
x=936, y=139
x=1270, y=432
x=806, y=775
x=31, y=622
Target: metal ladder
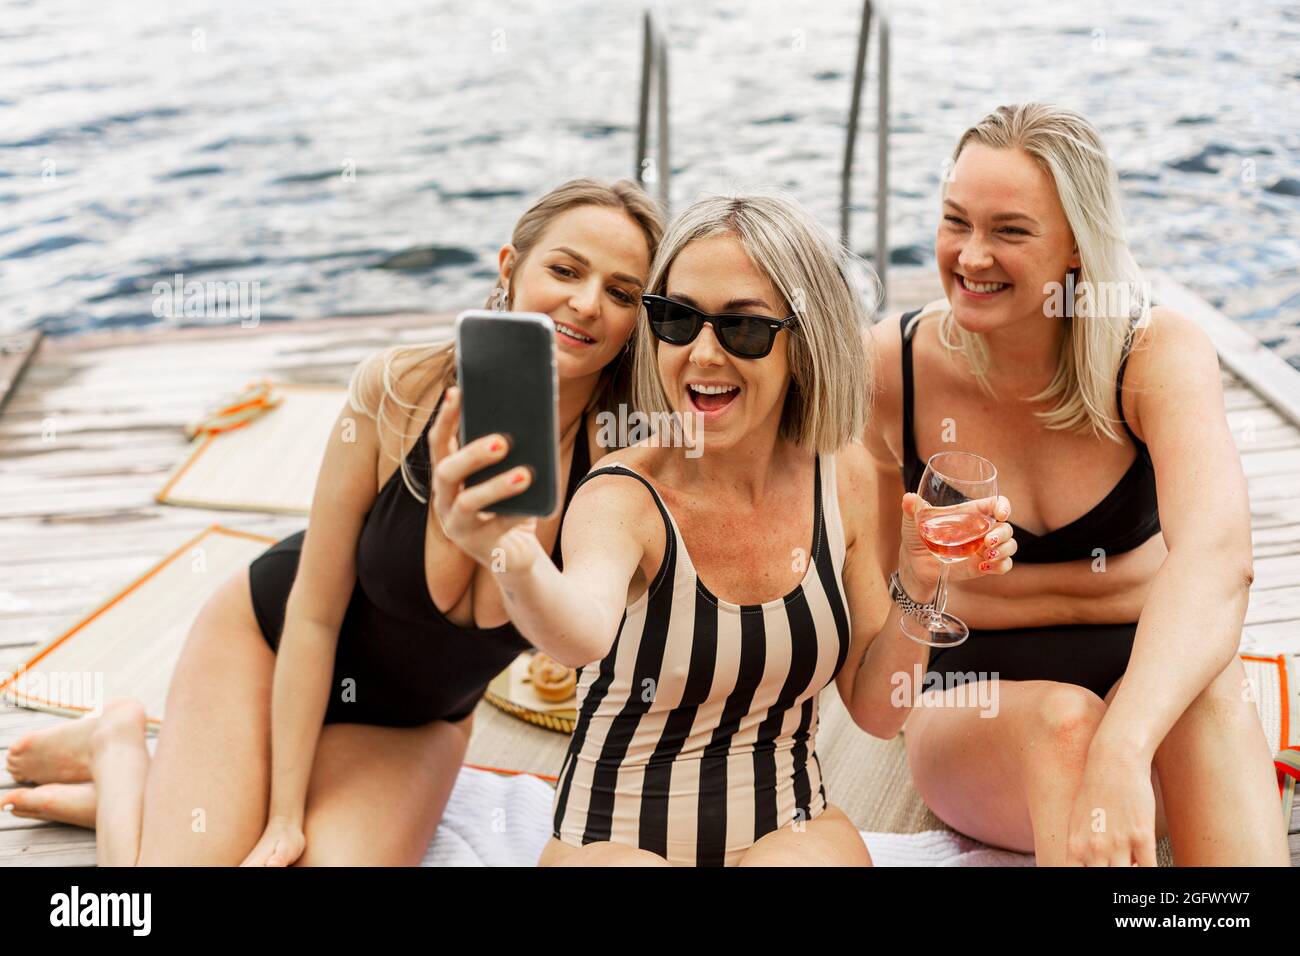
x=654, y=76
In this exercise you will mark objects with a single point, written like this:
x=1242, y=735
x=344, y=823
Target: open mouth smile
x=980, y=290
x=711, y=398
x=573, y=335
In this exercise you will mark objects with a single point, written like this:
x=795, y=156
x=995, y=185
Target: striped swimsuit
x=696, y=733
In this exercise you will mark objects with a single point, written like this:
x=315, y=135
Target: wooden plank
x=1273, y=605
x=354, y=324
x=1276, y=572
x=1253, y=362
x=107, y=543
x=1276, y=637
x=49, y=846
x=16, y=352
x=1271, y=463
x=1272, y=488
x=1257, y=419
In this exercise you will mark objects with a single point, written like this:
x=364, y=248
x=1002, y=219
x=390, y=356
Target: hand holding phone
x=506, y=369
x=503, y=542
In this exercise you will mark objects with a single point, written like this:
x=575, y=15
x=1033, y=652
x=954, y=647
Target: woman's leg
x=207, y=790
x=213, y=752
x=1220, y=787
x=377, y=794
x=120, y=766
x=830, y=839
x=601, y=853
x=1008, y=780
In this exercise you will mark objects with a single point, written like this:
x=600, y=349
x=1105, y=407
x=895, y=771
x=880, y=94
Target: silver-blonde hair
x=822, y=284
x=1109, y=291
x=374, y=382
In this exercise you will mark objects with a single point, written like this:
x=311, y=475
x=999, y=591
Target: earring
x=498, y=302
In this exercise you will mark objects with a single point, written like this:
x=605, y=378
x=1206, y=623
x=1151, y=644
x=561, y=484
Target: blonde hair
x=1067, y=146
x=374, y=382
x=827, y=402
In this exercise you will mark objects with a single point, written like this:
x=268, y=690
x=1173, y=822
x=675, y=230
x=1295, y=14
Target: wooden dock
x=91, y=426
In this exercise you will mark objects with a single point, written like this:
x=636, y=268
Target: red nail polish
x=993, y=554
x=497, y=445
x=984, y=566
x=518, y=478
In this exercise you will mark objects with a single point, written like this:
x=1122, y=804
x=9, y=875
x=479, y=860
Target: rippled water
x=356, y=158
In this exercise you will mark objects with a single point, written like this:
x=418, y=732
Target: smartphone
x=505, y=366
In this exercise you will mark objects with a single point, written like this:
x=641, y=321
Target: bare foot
x=72, y=803
x=58, y=754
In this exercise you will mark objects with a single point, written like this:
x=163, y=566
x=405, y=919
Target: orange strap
x=253, y=402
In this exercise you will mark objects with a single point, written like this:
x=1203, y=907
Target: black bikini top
x=1121, y=521
x=390, y=549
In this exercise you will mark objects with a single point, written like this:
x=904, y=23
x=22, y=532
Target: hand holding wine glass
x=954, y=516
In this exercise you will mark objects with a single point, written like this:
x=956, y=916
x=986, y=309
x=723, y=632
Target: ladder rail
x=869, y=12
x=654, y=81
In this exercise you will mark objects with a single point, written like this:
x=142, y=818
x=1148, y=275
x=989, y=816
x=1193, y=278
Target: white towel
x=496, y=820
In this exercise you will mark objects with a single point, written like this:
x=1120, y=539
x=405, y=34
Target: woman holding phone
x=709, y=598
x=321, y=707
x=1123, y=712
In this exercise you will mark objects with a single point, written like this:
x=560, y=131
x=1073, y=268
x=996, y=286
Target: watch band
x=902, y=599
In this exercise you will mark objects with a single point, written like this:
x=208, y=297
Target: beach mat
x=128, y=646
x=268, y=464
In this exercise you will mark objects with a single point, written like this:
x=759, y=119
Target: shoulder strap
x=1119, y=392
x=437, y=406
x=619, y=469
x=578, y=466
x=670, y=537
x=909, y=440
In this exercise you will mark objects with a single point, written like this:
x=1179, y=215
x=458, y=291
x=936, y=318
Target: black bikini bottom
x=1094, y=656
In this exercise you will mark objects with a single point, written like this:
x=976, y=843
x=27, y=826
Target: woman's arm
x=884, y=670
x=572, y=616
x=878, y=701
x=1190, y=628
x=322, y=588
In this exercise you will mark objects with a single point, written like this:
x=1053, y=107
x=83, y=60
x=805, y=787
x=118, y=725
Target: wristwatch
x=902, y=599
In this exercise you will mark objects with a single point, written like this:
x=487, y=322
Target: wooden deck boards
x=94, y=425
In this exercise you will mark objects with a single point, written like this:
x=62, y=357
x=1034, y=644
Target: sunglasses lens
x=747, y=337
x=671, y=322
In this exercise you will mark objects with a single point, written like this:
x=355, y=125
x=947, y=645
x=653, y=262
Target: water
x=304, y=146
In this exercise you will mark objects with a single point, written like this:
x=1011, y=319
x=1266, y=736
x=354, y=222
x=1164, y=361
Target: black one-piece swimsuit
x=1091, y=655
x=399, y=662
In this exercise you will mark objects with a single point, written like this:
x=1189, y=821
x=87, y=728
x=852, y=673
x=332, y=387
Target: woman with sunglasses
x=708, y=599
x=1113, y=646
x=322, y=705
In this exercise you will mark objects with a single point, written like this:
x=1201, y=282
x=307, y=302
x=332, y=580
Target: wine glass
x=952, y=528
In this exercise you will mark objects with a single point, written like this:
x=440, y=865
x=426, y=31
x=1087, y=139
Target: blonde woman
x=708, y=598
x=1122, y=709
x=321, y=708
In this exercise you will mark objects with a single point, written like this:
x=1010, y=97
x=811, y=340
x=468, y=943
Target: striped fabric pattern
x=695, y=734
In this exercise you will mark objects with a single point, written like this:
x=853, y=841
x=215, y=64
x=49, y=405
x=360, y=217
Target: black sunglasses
x=744, y=336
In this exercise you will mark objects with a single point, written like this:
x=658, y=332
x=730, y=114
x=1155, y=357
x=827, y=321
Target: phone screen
x=505, y=364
